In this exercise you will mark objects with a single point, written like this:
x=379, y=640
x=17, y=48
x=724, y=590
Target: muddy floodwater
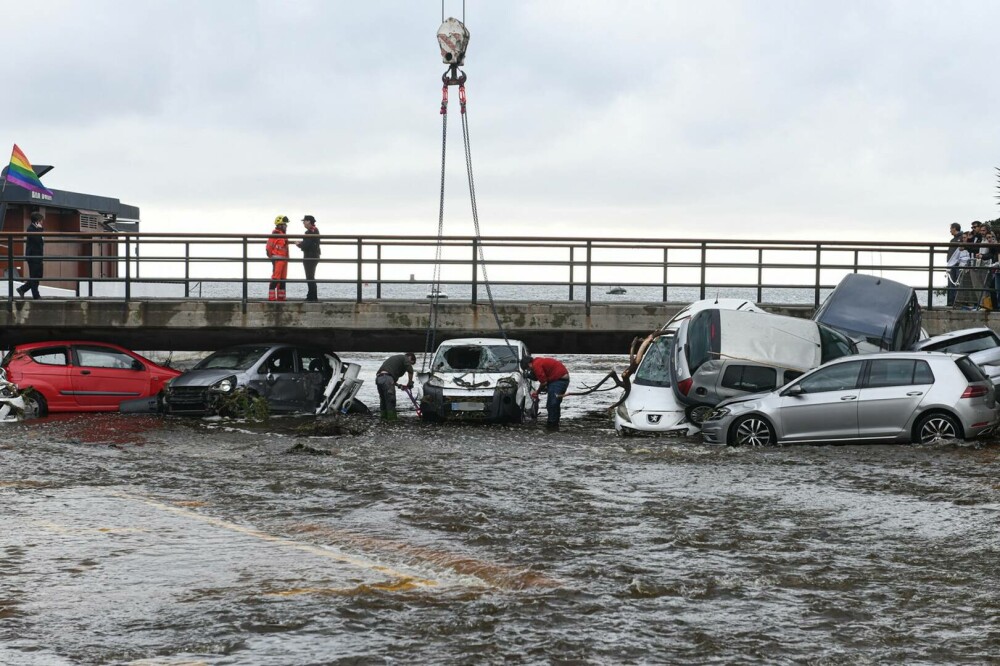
x=149, y=540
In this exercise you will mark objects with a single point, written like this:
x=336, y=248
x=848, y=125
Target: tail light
x=685, y=385
x=971, y=391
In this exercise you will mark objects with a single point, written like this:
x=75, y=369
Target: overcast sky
x=831, y=120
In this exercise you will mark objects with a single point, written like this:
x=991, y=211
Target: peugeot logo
x=653, y=418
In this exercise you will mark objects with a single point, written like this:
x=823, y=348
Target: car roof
x=951, y=335
x=480, y=341
x=909, y=355
x=66, y=343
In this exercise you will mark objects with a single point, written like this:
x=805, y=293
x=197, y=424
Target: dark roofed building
x=97, y=219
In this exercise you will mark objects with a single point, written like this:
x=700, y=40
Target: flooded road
x=138, y=539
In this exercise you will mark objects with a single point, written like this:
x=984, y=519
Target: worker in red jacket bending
x=277, y=252
x=553, y=377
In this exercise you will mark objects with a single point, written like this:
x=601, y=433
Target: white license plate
x=467, y=406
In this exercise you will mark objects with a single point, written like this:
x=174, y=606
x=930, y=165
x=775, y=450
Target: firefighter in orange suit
x=277, y=252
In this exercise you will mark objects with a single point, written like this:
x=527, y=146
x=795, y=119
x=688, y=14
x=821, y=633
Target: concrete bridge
x=384, y=325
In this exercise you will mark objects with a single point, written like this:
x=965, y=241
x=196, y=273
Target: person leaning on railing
x=34, y=248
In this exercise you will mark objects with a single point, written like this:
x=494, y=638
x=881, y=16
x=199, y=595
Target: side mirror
x=137, y=364
x=794, y=391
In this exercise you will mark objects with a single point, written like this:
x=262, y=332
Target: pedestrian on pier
x=310, y=256
x=277, y=252
x=953, y=260
x=34, y=248
x=553, y=378
x=388, y=374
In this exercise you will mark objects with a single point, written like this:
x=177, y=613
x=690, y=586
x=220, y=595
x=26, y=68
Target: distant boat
x=437, y=293
x=617, y=290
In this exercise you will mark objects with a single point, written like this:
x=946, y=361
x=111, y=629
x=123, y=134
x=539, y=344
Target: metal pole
x=187, y=270
x=475, y=269
x=359, y=268
x=819, y=250
x=572, y=262
x=10, y=272
x=246, y=273
x=378, y=272
x=760, y=274
x=704, y=256
x=128, y=269
x=587, y=288
x=666, y=263
x=930, y=278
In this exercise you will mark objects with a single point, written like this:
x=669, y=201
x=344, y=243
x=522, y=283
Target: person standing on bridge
x=553, y=377
x=310, y=256
x=388, y=374
x=277, y=252
x=34, y=248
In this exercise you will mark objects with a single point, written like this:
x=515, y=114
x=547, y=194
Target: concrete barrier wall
x=369, y=326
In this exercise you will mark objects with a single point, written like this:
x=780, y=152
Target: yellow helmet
x=281, y=220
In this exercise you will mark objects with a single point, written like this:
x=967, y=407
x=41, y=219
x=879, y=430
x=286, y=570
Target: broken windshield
x=476, y=358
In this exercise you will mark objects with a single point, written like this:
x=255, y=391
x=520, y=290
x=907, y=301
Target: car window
x=702, y=328
x=750, y=378
x=654, y=369
x=834, y=344
x=467, y=358
x=897, y=372
x=95, y=357
x=970, y=370
x=50, y=356
x=236, y=358
x=315, y=361
x=922, y=373
x=840, y=377
x=966, y=344
x=792, y=374
x=282, y=360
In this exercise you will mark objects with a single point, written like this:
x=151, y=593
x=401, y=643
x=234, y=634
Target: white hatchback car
x=477, y=379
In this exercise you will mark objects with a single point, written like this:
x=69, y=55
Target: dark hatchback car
x=876, y=313
x=289, y=377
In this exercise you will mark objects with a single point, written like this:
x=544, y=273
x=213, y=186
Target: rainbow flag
x=20, y=173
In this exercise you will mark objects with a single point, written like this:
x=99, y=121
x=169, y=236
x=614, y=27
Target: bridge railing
x=128, y=266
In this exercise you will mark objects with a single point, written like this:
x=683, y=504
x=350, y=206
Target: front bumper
x=499, y=406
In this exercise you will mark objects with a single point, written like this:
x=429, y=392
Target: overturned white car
x=477, y=379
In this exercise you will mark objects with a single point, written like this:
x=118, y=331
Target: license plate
x=467, y=406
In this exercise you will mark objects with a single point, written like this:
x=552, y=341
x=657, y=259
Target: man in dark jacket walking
x=310, y=254
x=34, y=248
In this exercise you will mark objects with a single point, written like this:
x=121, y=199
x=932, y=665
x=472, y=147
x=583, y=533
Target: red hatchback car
x=73, y=376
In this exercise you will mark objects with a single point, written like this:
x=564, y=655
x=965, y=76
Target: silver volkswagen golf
x=891, y=397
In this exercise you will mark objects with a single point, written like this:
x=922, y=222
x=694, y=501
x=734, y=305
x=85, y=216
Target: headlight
x=622, y=412
x=717, y=414
x=227, y=385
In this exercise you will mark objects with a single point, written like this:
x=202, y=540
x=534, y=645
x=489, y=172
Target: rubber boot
x=281, y=294
x=272, y=295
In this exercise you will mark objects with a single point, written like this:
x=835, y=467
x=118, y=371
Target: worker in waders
x=388, y=374
x=553, y=377
x=277, y=252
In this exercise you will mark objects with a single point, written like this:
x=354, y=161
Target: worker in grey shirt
x=388, y=374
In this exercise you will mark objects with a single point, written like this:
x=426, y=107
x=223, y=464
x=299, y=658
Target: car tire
x=752, y=430
x=624, y=432
x=35, y=406
x=936, y=427
x=697, y=414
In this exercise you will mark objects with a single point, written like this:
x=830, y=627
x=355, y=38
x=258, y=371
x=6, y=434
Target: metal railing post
x=475, y=269
x=572, y=265
x=10, y=272
x=360, y=263
x=930, y=277
x=187, y=270
x=587, y=288
x=378, y=272
x=760, y=274
x=704, y=258
x=855, y=261
x=246, y=273
x=666, y=264
x=819, y=250
x=128, y=269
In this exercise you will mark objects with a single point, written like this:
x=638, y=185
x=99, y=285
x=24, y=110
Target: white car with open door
x=650, y=405
x=476, y=379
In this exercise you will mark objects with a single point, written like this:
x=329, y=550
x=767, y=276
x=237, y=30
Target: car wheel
x=937, y=427
x=698, y=413
x=752, y=431
x=35, y=405
x=624, y=432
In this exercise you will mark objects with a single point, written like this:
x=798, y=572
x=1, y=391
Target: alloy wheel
x=754, y=431
x=937, y=428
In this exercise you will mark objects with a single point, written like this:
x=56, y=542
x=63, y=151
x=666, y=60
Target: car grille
x=188, y=399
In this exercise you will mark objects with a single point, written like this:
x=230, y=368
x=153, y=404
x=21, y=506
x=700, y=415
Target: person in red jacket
x=553, y=377
x=277, y=252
